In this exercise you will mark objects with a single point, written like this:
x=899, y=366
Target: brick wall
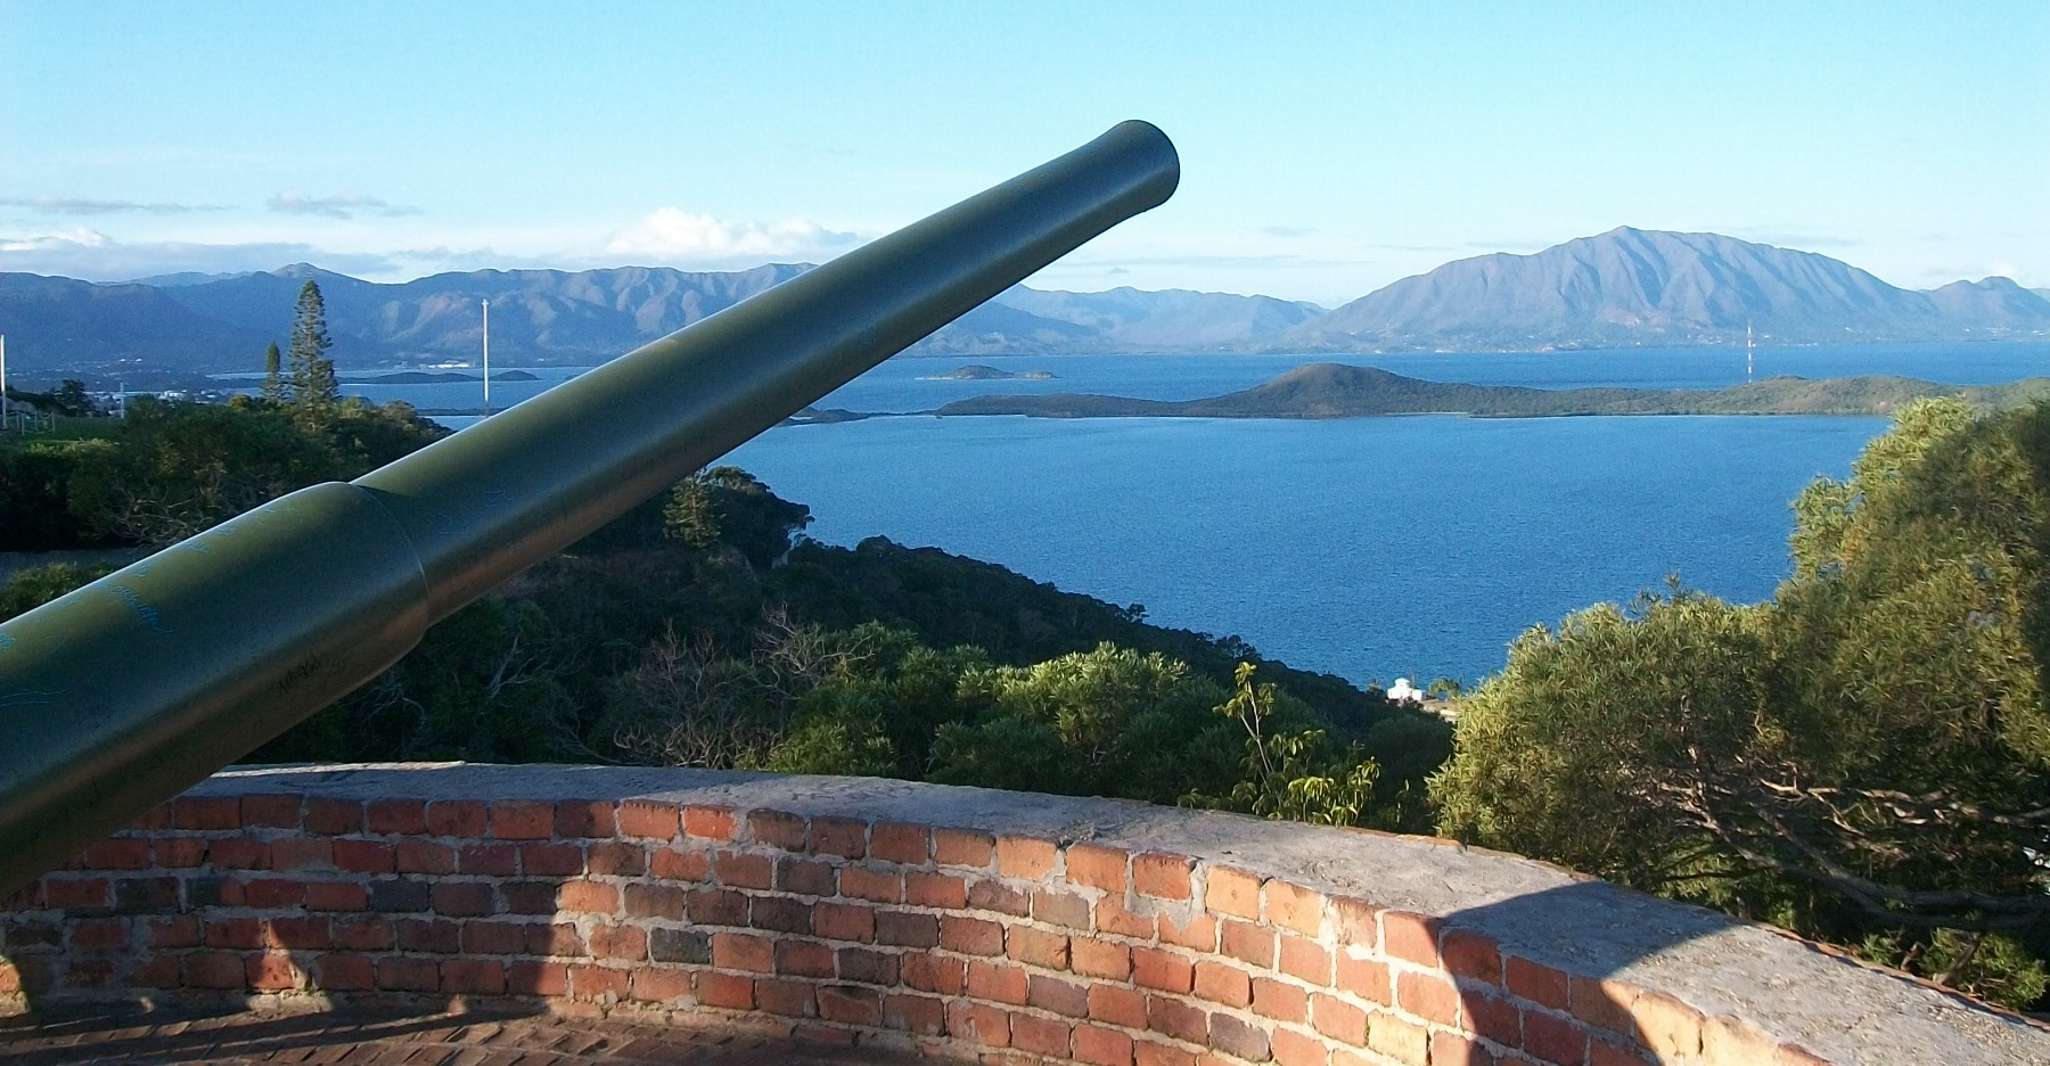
x=839, y=927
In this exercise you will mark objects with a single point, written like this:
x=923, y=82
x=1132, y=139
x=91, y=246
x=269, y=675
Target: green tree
x=727, y=506
x=314, y=389
x=274, y=389
x=1866, y=758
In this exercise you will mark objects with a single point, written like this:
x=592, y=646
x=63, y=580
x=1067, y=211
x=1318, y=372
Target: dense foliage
x=1866, y=758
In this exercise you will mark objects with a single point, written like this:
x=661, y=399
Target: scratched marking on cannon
x=142, y=609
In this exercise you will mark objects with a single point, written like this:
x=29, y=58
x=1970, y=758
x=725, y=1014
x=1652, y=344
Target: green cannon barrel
x=130, y=690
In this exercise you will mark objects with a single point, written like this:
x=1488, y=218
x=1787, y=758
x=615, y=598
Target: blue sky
x=1327, y=149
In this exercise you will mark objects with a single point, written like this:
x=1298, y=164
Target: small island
x=980, y=372
x=433, y=377
x=1332, y=390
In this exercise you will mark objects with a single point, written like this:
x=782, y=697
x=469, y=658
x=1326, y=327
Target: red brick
x=120, y=853
x=180, y=853
x=988, y=1026
x=1037, y=947
x=439, y=938
x=494, y=938
x=344, y=973
x=522, y=820
x=1061, y=908
x=408, y=975
x=1166, y=971
x=844, y=921
x=590, y=896
x=536, y=979
x=931, y=973
x=708, y=823
x=1295, y=1049
x=803, y=958
x=297, y=933
x=654, y=901
x=214, y=969
x=1097, y=866
x=364, y=856
x=1102, y=1047
x=988, y=894
x=743, y=870
x=1238, y=1037
x=551, y=860
x=1058, y=996
x=781, y=914
x=650, y=820
x=1493, y=1017
x=1535, y=982
x=558, y=939
x=789, y=998
x=1223, y=984
x=584, y=818
x=1232, y=891
x=399, y=817
x=473, y=977
x=275, y=811
x=206, y=812
x=489, y=860
x=1152, y=1054
x=848, y=1005
x=463, y=899
x=1472, y=955
x=181, y=931
x=1398, y=1039
x=971, y=936
x=333, y=817
x=1428, y=997
x=1025, y=858
x=362, y=934
x=336, y=896
x=1040, y=1036
x=919, y=1015
x=1163, y=875
x=1604, y=1053
x=997, y=982
x=805, y=877
x=652, y=985
x=421, y=857
x=945, y=891
x=1452, y=1049
x=1112, y=916
x=238, y=853
x=674, y=865
x=234, y=933
x=1410, y=937
x=273, y=892
x=1280, y=1001
x=305, y=853
x=617, y=860
x=99, y=934
x=1306, y=960
x=1178, y=1019
x=858, y=882
x=1357, y=922
x=1198, y=932
x=1248, y=943
x=743, y=951
x=844, y=837
x=626, y=942
x=597, y=982
x=726, y=990
x=1097, y=958
x=1293, y=907
x=1554, y=1039
x=716, y=906
x=1338, y=1019
x=962, y=847
x=776, y=828
x=868, y=967
x=453, y=818
x=1601, y=1004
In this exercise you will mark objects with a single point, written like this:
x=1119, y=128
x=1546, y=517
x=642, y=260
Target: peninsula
x=1332, y=390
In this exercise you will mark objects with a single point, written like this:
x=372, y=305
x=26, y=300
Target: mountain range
x=1623, y=288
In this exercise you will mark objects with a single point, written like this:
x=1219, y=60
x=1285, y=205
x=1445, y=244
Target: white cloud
x=63, y=205
x=343, y=207
x=93, y=256
x=673, y=234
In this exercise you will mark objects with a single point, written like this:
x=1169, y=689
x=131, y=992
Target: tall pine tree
x=314, y=389
x=273, y=375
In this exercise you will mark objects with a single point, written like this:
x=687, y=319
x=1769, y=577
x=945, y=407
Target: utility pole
x=487, y=358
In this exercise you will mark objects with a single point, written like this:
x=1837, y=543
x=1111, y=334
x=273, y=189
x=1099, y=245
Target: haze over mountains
x=1622, y=288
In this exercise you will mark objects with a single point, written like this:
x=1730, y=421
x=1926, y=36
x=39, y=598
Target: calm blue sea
x=1371, y=548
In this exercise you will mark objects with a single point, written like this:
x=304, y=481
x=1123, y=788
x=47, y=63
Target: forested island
x=1333, y=390
x=981, y=372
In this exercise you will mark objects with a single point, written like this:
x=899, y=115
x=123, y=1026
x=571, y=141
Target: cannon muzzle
x=128, y=691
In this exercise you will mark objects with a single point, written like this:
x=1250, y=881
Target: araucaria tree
x=314, y=389
x=1865, y=758
x=273, y=375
